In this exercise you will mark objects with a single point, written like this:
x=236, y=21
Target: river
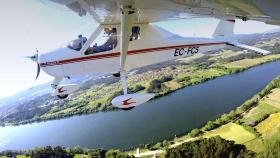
x=159, y=119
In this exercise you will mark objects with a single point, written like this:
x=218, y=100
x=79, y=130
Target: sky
x=30, y=24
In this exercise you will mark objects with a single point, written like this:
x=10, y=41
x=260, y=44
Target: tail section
x=224, y=29
x=251, y=48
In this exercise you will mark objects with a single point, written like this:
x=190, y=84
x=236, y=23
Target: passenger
x=82, y=40
x=77, y=44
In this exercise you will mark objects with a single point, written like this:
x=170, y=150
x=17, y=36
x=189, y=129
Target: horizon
x=56, y=25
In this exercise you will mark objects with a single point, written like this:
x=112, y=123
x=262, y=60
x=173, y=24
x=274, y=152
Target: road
x=160, y=151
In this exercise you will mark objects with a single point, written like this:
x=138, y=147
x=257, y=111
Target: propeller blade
x=33, y=57
x=38, y=71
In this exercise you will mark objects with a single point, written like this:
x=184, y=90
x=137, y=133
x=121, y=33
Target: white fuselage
x=154, y=46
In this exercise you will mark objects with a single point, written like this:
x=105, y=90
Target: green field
x=80, y=156
x=269, y=126
x=246, y=63
x=273, y=98
x=258, y=112
x=255, y=145
x=232, y=131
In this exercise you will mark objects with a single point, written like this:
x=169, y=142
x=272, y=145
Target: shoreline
x=201, y=132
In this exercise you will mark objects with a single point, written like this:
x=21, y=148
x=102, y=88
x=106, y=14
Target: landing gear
x=56, y=82
x=243, y=18
x=62, y=96
x=127, y=109
x=116, y=74
x=59, y=90
x=127, y=101
x=123, y=82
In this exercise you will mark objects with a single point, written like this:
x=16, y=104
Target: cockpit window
x=78, y=43
x=110, y=43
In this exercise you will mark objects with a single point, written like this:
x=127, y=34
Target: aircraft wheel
x=244, y=18
x=127, y=109
x=62, y=96
x=116, y=74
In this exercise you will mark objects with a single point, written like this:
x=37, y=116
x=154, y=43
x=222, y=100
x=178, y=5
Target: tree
x=210, y=125
x=77, y=150
x=211, y=148
x=155, y=86
x=116, y=154
x=50, y=152
x=165, y=144
x=112, y=153
x=99, y=153
x=195, y=132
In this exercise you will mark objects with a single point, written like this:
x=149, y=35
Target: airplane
x=133, y=41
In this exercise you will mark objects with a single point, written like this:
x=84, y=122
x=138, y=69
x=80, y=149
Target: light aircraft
x=134, y=42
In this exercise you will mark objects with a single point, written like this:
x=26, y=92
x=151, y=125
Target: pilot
x=107, y=31
x=110, y=43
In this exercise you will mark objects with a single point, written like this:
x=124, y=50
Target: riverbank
x=253, y=124
x=159, y=80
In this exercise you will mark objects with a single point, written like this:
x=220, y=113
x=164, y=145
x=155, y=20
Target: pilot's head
x=107, y=30
x=80, y=36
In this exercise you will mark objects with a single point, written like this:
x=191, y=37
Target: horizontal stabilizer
x=254, y=49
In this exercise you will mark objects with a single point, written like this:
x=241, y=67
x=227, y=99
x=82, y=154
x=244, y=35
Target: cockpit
x=108, y=42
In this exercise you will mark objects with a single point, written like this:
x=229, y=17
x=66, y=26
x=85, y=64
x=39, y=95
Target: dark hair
x=114, y=30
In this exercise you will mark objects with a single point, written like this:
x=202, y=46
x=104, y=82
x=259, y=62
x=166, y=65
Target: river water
x=159, y=119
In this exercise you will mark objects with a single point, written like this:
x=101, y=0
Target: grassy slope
x=266, y=128
x=273, y=98
x=269, y=126
x=259, y=111
x=232, y=131
x=246, y=63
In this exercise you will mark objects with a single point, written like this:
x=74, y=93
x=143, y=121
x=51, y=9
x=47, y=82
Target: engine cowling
x=129, y=101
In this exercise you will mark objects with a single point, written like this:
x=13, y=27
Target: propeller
x=34, y=58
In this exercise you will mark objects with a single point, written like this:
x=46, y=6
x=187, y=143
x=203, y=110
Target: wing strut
x=127, y=101
x=126, y=24
x=251, y=48
x=91, y=39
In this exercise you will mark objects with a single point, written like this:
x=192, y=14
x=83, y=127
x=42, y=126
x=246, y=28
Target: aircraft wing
x=148, y=11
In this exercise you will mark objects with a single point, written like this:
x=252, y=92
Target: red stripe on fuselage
x=117, y=54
